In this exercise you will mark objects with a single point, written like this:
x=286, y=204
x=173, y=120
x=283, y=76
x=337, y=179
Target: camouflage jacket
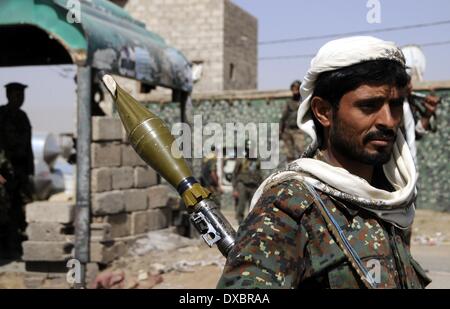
x=285, y=243
x=209, y=166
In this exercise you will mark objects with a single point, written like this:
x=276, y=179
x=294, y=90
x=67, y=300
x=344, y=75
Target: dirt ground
x=190, y=264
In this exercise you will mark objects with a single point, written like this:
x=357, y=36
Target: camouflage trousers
x=294, y=143
x=245, y=196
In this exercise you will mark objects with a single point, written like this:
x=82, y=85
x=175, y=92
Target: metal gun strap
x=341, y=240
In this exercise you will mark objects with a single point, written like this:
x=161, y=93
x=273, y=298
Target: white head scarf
x=395, y=207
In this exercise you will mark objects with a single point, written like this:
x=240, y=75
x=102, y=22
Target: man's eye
x=367, y=107
x=397, y=103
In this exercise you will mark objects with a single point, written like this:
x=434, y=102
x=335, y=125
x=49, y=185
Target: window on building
x=231, y=71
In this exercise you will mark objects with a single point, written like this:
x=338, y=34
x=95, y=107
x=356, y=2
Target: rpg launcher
x=152, y=141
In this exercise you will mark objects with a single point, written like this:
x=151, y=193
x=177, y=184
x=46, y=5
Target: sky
x=50, y=97
x=286, y=19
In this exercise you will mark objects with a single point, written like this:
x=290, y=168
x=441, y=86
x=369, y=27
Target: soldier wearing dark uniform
x=336, y=217
x=15, y=140
x=293, y=138
x=209, y=178
x=5, y=204
x=246, y=179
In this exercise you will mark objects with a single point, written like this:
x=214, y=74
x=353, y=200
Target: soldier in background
x=246, y=179
x=292, y=137
x=5, y=172
x=419, y=117
x=15, y=139
x=209, y=178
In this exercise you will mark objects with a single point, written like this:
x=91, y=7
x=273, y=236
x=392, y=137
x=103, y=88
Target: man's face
x=295, y=92
x=364, y=127
x=15, y=97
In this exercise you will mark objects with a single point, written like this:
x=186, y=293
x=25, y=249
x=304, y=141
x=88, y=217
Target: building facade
x=217, y=36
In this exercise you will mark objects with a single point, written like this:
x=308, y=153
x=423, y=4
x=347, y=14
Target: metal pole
x=83, y=196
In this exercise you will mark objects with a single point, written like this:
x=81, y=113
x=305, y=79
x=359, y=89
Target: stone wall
x=127, y=202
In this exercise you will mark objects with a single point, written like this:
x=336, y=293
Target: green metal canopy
x=94, y=33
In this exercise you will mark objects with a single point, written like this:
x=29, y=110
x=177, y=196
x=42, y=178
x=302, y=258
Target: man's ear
x=323, y=111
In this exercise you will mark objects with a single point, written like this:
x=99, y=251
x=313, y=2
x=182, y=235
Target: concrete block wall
x=126, y=202
x=50, y=231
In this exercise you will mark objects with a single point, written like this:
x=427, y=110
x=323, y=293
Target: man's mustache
x=383, y=134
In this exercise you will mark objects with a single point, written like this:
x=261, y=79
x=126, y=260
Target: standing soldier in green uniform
x=246, y=179
x=336, y=217
x=293, y=138
x=209, y=178
x=15, y=138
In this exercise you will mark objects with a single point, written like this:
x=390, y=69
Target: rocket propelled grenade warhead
x=152, y=140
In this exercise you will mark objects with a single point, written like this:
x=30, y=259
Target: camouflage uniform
x=293, y=138
x=246, y=179
x=209, y=167
x=285, y=243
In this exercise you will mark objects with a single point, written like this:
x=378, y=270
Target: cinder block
x=120, y=225
x=101, y=232
x=34, y=281
x=49, y=231
x=46, y=250
x=101, y=179
x=124, y=136
x=130, y=157
x=139, y=222
x=106, y=129
x=144, y=177
x=158, y=196
x=122, y=178
x=61, y=212
x=105, y=154
x=107, y=203
x=135, y=200
x=106, y=253
x=159, y=218
x=92, y=271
